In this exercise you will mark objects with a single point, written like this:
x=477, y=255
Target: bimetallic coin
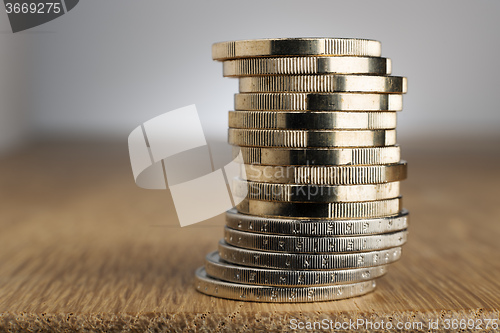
x=296, y=47
x=299, y=261
x=242, y=292
x=318, y=102
x=325, y=175
x=311, y=139
x=312, y=192
x=312, y=120
x=319, y=156
x=306, y=65
x=307, y=227
x=324, y=84
x=297, y=244
x=219, y=269
x=321, y=210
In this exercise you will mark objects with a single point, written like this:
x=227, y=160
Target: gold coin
x=312, y=120
x=318, y=102
x=312, y=192
x=324, y=84
x=330, y=210
x=306, y=65
x=297, y=47
x=327, y=175
x=319, y=156
x=308, y=139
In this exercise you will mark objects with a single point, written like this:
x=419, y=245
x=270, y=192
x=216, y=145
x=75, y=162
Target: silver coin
x=312, y=227
x=241, y=292
x=219, y=269
x=273, y=260
x=296, y=244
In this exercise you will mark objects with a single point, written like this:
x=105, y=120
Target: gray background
x=107, y=66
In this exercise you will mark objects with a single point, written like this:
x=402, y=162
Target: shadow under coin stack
x=321, y=217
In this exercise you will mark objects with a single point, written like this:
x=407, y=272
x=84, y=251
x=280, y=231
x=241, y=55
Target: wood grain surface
x=83, y=249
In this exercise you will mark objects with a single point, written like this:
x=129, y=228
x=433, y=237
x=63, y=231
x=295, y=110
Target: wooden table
x=82, y=248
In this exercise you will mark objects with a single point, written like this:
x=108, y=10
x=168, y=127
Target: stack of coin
x=320, y=214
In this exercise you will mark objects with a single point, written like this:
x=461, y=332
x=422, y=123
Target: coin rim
x=341, y=174
x=326, y=83
x=279, y=260
x=351, y=214
x=219, y=269
x=221, y=51
x=285, y=226
x=270, y=242
x=228, y=290
x=279, y=192
x=351, y=155
x=312, y=120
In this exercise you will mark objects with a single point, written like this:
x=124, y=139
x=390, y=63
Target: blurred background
x=107, y=66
